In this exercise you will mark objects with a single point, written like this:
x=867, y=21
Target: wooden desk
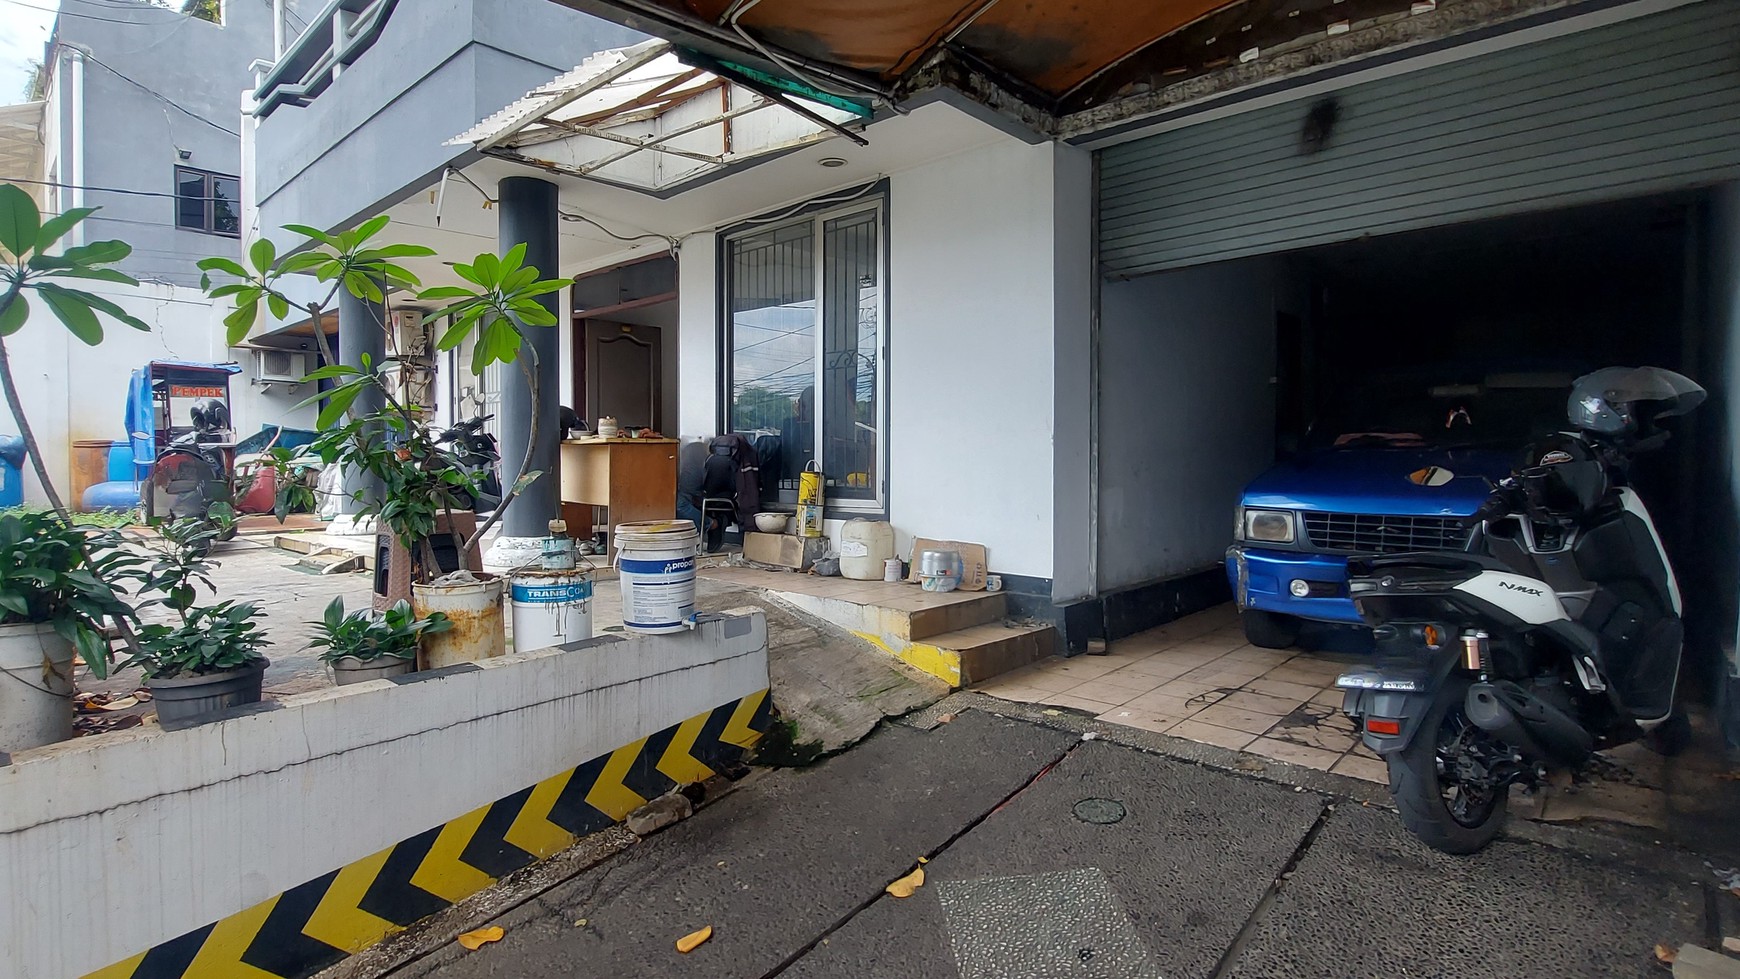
x=635, y=478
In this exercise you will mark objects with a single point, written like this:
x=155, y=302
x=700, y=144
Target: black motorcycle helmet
x=1563, y=478
x=210, y=415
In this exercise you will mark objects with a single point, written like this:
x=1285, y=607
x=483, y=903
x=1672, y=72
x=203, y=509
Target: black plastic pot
x=349, y=669
x=182, y=700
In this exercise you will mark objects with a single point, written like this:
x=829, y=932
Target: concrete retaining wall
x=280, y=838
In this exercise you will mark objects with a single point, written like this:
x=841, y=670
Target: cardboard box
x=973, y=565
x=784, y=550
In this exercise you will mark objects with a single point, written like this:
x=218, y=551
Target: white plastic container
x=656, y=561
x=550, y=608
x=478, y=631
x=865, y=547
x=36, y=694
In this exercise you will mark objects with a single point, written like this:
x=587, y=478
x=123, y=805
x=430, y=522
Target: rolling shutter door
x=1638, y=107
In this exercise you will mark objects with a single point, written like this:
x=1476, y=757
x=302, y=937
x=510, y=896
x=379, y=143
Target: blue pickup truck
x=1391, y=467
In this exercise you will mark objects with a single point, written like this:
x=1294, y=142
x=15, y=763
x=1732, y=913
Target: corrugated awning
x=642, y=117
x=1059, y=59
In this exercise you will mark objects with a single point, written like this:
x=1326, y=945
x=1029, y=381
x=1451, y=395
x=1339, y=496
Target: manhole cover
x=1101, y=811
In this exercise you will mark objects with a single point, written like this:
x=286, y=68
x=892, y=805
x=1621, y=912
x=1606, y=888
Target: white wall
x=973, y=270
x=72, y=392
x=1187, y=411
x=167, y=831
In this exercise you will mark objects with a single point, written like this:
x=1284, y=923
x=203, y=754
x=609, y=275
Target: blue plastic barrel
x=120, y=462
x=11, y=474
x=115, y=495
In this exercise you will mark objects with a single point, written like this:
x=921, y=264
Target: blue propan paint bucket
x=656, y=561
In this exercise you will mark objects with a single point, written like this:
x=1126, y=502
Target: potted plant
x=51, y=605
x=209, y=659
x=420, y=479
x=369, y=645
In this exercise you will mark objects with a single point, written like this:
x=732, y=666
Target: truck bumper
x=1262, y=579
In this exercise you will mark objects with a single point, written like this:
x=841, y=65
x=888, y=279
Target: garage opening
x=1211, y=375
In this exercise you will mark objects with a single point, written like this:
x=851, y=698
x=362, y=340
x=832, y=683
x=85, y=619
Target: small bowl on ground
x=771, y=523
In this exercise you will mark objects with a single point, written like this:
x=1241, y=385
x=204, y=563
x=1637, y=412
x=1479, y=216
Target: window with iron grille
x=208, y=202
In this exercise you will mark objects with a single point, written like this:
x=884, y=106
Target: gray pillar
x=528, y=216
x=361, y=330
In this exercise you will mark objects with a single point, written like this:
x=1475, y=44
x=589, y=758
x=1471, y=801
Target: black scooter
x=1555, y=634
x=476, y=451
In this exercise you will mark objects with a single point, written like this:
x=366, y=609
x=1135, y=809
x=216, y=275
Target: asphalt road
x=1052, y=856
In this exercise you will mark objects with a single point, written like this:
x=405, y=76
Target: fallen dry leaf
x=1666, y=953
x=1052, y=712
x=580, y=923
x=945, y=719
x=474, y=940
x=122, y=704
x=143, y=694
x=908, y=885
x=1729, y=776
x=1731, y=944
x=688, y=943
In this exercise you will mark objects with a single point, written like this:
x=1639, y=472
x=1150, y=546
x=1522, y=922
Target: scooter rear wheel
x=1445, y=813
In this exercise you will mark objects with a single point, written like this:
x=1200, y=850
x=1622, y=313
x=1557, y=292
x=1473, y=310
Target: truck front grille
x=1374, y=533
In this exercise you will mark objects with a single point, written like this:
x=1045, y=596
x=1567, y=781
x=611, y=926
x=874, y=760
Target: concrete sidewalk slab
x=1368, y=900
x=770, y=866
x=1189, y=861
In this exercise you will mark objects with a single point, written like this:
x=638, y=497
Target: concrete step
x=904, y=613
x=985, y=651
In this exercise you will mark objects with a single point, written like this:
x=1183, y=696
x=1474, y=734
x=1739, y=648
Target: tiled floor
x=1197, y=678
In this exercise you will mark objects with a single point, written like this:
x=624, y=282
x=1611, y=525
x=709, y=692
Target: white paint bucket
x=36, y=688
x=656, y=561
x=550, y=608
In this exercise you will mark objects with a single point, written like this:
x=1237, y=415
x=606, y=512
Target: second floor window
x=208, y=202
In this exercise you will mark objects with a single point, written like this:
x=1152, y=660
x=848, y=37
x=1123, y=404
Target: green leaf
x=98, y=253
x=331, y=370
x=371, y=227
x=453, y=336
x=97, y=303
x=469, y=273
x=55, y=228
x=261, y=253
x=279, y=306
x=232, y=289
x=489, y=266
x=240, y=321
x=395, y=251
x=446, y=292
x=75, y=315
x=13, y=317
x=103, y=275
x=302, y=261
x=526, y=480
x=93, y=650
x=217, y=263
x=19, y=220
x=512, y=261
x=315, y=233
x=338, y=402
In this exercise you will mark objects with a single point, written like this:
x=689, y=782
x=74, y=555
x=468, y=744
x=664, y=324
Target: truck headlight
x=1269, y=526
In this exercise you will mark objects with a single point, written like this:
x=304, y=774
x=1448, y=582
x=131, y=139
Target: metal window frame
x=209, y=202
x=875, y=202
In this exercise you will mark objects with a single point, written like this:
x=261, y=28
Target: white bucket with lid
x=550, y=608
x=656, y=561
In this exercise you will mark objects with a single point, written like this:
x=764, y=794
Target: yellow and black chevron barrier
x=313, y=925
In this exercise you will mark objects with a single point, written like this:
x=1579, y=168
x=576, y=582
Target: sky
x=24, y=27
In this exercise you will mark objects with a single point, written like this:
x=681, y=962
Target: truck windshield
x=1496, y=413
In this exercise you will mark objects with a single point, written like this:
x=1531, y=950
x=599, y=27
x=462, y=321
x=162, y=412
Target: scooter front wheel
x=1440, y=803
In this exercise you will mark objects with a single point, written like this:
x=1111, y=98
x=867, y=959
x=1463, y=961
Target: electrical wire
x=115, y=190
x=815, y=202
x=74, y=13
x=166, y=100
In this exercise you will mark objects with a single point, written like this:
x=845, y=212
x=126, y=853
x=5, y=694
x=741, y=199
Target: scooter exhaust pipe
x=1536, y=728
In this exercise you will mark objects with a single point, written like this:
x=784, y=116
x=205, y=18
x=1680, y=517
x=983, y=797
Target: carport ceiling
x=1053, y=58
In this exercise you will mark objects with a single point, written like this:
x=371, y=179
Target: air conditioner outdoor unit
x=282, y=366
